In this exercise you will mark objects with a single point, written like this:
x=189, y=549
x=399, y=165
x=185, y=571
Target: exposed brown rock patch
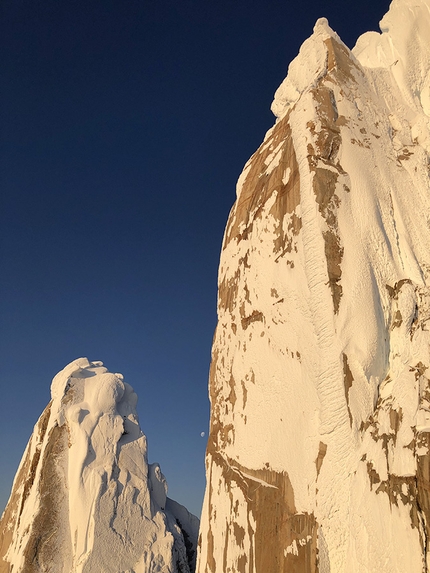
x=228, y=291
x=393, y=291
x=374, y=478
x=347, y=381
x=49, y=542
x=16, y=502
x=334, y=254
x=284, y=541
x=48, y=546
x=262, y=181
x=232, y=396
x=322, y=159
x=244, y=394
x=325, y=188
x=339, y=61
x=396, y=417
x=397, y=321
x=210, y=560
x=322, y=450
x=31, y=471
x=239, y=534
x=241, y=564
x=256, y=316
x=404, y=156
x=423, y=486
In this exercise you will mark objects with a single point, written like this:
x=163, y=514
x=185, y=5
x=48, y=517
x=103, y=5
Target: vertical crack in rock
x=322, y=159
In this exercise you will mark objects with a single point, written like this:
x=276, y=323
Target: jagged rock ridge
x=318, y=455
x=85, y=499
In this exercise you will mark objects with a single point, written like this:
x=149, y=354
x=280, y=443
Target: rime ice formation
x=84, y=499
x=318, y=455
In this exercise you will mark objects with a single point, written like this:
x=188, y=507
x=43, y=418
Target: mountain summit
x=85, y=499
x=318, y=456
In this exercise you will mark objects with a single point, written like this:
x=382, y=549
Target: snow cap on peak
x=92, y=383
x=60, y=380
x=322, y=25
x=306, y=69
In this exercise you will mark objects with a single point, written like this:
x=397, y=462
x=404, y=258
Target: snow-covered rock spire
x=84, y=499
x=318, y=456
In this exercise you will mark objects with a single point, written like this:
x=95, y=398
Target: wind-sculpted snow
x=318, y=455
x=85, y=499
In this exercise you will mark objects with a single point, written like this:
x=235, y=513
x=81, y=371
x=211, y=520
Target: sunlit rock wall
x=318, y=456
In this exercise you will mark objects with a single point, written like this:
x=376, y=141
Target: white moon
x=202, y=434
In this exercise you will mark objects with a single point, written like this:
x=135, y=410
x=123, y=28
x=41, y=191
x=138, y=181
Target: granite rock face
x=318, y=455
x=85, y=499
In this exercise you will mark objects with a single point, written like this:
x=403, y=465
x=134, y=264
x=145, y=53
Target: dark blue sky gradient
x=124, y=126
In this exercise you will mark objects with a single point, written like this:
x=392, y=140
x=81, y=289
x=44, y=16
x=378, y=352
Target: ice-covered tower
x=84, y=499
x=318, y=456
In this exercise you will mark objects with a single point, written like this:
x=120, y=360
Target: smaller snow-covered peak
x=306, y=69
x=85, y=499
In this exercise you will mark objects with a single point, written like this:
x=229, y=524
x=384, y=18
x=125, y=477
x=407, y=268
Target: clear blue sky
x=124, y=126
